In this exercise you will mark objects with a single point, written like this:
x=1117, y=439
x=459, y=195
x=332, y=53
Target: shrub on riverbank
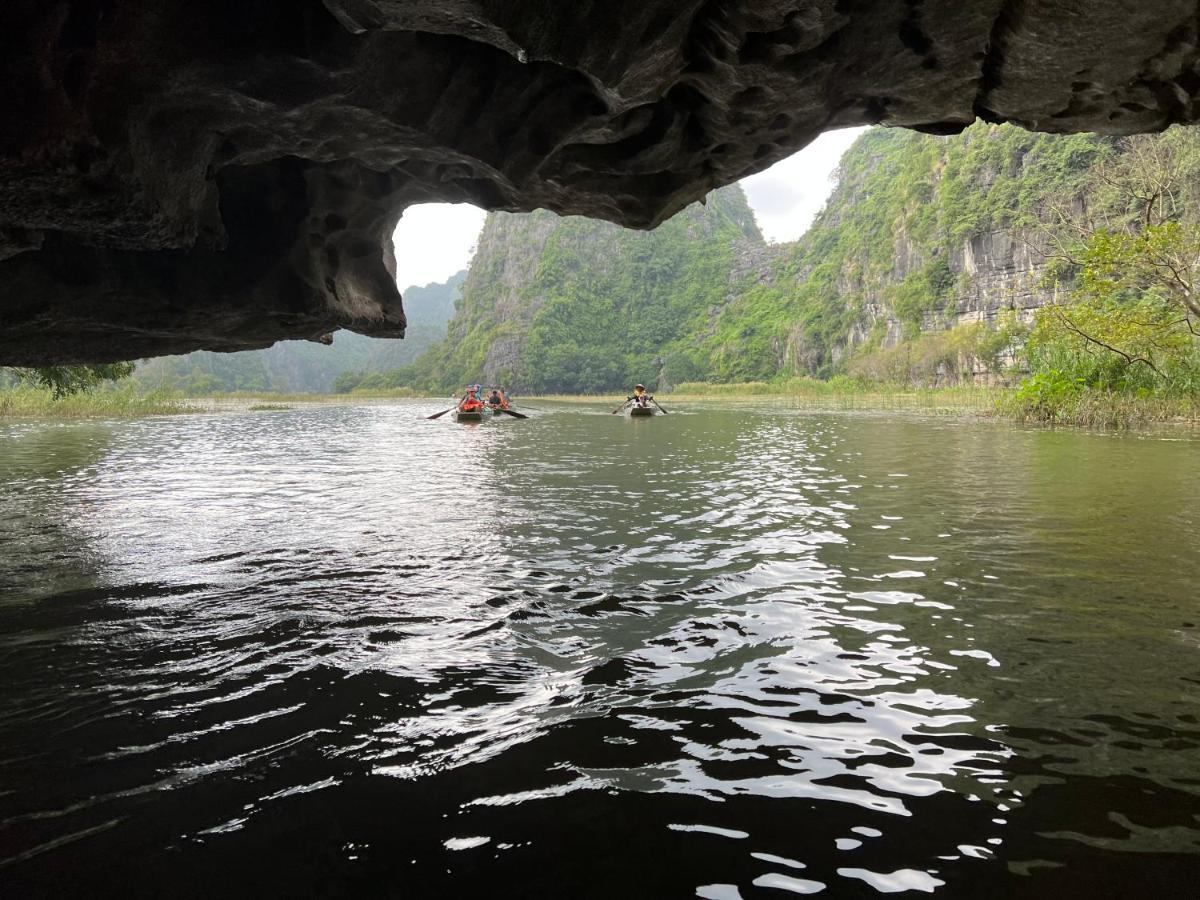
x=1058, y=398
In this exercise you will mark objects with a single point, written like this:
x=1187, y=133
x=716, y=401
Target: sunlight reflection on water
x=693, y=654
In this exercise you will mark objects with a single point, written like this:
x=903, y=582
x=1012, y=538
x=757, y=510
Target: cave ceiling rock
x=178, y=175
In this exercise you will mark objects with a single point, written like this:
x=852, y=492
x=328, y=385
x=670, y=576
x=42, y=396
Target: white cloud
x=787, y=197
x=435, y=240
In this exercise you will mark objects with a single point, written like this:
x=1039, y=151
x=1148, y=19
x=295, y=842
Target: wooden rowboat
x=471, y=415
x=641, y=410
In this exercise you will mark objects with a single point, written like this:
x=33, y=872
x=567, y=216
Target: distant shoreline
x=1092, y=409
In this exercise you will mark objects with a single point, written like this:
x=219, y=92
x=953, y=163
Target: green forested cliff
x=569, y=304
x=930, y=263
x=920, y=233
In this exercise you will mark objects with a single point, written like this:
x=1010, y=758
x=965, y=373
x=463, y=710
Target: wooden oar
x=655, y=402
x=515, y=415
x=621, y=407
x=443, y=412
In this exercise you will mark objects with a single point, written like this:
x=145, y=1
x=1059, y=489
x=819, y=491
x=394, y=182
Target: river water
x=734, y=652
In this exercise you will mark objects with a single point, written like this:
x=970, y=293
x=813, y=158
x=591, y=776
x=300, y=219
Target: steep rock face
x=178, y=175
x=563, y=303
x=1003, y=270
x=924, y=234
x=995, y=271
x=921, y=234
x=988, y=257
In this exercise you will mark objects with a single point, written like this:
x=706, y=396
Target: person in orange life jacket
x=640, y=397
x=470, y=403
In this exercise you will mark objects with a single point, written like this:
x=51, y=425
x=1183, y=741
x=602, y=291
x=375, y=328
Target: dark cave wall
x=179, y=175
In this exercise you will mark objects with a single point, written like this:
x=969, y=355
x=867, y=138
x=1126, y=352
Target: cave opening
x=432, y=241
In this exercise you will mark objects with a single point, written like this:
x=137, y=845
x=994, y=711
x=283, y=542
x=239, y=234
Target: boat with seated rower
x=640, y=404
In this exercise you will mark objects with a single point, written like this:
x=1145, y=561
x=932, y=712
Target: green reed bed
x=852, y=394
x=31, y=402
x=1101, y=409
x=1088, y=408
x=264, y=401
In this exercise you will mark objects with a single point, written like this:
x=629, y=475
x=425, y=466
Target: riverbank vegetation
x=1122, y=345
x=1039, y=400
x=1035, y=401
x=84, y=391
x=126, y=400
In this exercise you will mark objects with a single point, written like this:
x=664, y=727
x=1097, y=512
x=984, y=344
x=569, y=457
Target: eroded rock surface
x=178, y=175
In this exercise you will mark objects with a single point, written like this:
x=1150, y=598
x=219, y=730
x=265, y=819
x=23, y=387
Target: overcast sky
x=787, y=197
x=435, y=240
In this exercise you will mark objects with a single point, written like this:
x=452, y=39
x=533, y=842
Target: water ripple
x=703, y=655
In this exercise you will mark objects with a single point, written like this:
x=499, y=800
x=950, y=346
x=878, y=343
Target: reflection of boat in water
x=641, y=411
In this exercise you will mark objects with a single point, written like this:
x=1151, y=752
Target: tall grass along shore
x=1085, y=407
x=24, y=401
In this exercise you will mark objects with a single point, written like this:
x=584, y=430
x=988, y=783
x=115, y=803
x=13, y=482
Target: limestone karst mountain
x=933, y=245
x=570, y=304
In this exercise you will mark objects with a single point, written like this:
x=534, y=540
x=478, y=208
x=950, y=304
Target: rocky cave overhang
x=177, y=175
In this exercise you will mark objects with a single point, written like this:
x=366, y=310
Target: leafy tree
x=67, y=380
x=1132, y=251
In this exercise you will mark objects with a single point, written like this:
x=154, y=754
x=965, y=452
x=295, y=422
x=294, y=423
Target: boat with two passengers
x=472, y=407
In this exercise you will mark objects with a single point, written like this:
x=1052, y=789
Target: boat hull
x=468, y=416
x=641, y=411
